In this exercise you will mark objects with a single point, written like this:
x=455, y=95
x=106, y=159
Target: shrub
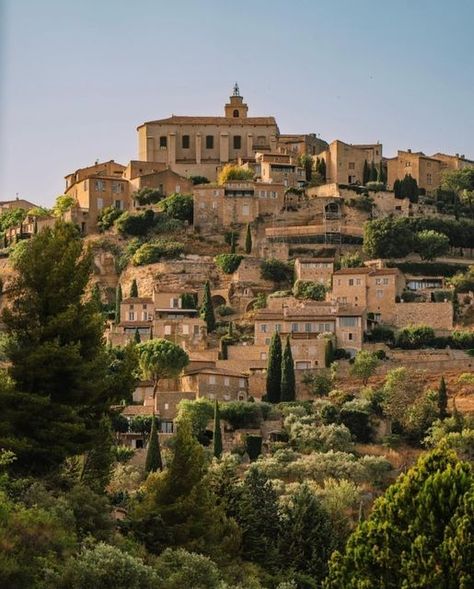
x=314, y=291
x=462, y=339
x=381, y=333
x=417, y=336
x=199, y=180
x=375, y=186
x=224, y=310
x=230, y=173
x=154, y=251
x=260, y=301
x=351, y=260
x=179, y=206
x=228, y=263
x=276, y=270
x=136, y=224
x=147, y=196
x=356, y=417
x=107, y=217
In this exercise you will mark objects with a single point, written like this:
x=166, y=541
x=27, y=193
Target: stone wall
x=436, y=315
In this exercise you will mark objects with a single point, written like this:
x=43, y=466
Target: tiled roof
x=362, y=270
x=192, y=120
x=132, y=300
x=208, y=370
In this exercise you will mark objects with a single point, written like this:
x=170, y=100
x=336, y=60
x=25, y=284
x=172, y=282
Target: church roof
x=191, y=120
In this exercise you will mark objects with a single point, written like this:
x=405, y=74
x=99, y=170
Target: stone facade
x=197, y=145
x=439, y=316
x=314, y=269
x=345, y=162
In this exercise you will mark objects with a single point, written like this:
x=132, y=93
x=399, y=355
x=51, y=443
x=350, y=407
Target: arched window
x=236, y=114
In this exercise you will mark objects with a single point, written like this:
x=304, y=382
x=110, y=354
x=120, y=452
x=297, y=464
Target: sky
x=78, y=76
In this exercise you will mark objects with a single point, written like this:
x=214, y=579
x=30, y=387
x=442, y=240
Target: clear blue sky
x=78, y=76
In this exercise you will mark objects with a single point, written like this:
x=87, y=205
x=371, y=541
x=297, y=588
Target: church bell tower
x=236, y=107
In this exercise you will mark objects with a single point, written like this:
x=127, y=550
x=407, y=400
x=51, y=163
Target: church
x=200, y=145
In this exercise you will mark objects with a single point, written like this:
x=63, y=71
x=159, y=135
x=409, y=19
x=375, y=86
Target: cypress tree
x=232, y=243
x=207, y=309
x=230, y=330
x=365, y=173
x=288, y=384
x=118, y=301
x=134, y=289
x=322, y=169
x=248, y=240
x=373, y=172
x=381, y=173
x=136, y=338
x=397, y=189
x=153, y=454
x=274, y=370
x=217, y=432
x=442, y=399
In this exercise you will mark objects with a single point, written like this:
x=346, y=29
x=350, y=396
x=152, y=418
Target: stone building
x=427, y=170
x=236, y=202
x=95, y=188
x=308, y=144
x=157, y=176
x=198, y=145
x=314, y=269
x=371, y=288
x=17, y=203
x=345, y=162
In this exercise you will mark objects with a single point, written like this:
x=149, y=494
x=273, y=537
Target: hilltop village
x=215, y=360
x=225, y=232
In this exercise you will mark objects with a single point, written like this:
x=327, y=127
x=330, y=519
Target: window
x=177, y=188
x=351, y=282
x=185, y=141
x=209, y=141
x=185, y=327
x=379, y=294
x=174, y=303
x=117, y=187
x=212, y=379
x=226, y=381
x=166, y=427
x=237, y=141
x=118, y=204
x=242, y=383
x=145, y=316
x=350, y=336
x=267, y=341
x=428, y=178
x=351, y=165
x=167, y=406
x=99, y=185
x=167, y=329
x=245, y=210
x=196, y=330
x=307, y=327
x=348, y=321
x=100, y=204
x=294, y=327
x=131, y=316
x=303, y=365
x=278, y=327
x=235, y=114
x=263, y=328
x=263, y=355
x=163, y=142
x=358, y=281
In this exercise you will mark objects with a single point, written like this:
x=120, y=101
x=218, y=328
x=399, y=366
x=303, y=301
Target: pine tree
x=397, y=189
x=207, y=309
x=259, y=520
x=274, y=370
x=365, y=173
x=134, y=289
x=136, y=338
x=442, y=399
x=153, y=454
x=217, y=440
x=56, y=354
x=233, y=246
x=307, y=537
x=118, y=302
x=98, y=462
x=288, y=384
x=248, y=240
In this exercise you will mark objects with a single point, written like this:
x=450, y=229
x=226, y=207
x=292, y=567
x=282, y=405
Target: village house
x=236, y=202
x=17, y=203
x=426, y=170
x=198, y=145
x=318, y=269
x=29, y=227
x=345, y=162
x=157, y=176
x=279, y=168
x=95, y=188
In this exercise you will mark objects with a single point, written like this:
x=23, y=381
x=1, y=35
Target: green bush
x=314, y=291
x=276, y=270
x=244, y=414
x=107, y=217
x=147, y=196
x=179, y=206
x=356, y=417
x=154, y=251
x=224, y=310
x=381, y=333
x=137, y=224
x=228, y=263
x=462, y=339
x=414, y=337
